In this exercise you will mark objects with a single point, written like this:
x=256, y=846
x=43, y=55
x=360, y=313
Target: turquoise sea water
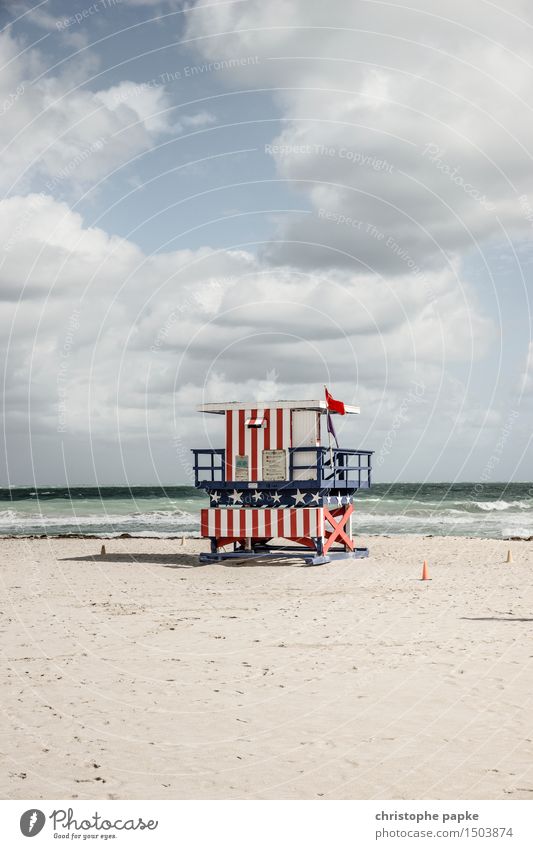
x=467, y=509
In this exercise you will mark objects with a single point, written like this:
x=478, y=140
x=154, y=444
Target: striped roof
x=319, y=406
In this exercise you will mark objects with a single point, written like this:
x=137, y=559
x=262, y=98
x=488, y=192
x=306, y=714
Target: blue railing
x=330, y=468
x=333, y=467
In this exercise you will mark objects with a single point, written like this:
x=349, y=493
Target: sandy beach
x=143, y=675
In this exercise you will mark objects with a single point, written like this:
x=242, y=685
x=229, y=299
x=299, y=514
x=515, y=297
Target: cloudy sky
x=246, y=200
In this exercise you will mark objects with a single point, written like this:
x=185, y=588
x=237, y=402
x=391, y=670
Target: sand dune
x=139, y=675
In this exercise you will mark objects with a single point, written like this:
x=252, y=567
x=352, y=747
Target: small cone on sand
x=102, y=551
x=425, y=572
x=509, y=556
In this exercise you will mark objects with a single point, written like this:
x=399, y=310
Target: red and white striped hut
x=274, y=480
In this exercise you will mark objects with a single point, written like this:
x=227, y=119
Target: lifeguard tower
x=274, y=489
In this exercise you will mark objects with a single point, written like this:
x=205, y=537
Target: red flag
x=333, y=405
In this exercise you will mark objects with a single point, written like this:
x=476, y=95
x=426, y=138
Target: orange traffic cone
x=425, y=572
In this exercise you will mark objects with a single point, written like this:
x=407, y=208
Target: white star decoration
x=315, y=497
x=276, y=498
x=299, y=498
x=257, y=496
x=215, y=497
x=235, y=496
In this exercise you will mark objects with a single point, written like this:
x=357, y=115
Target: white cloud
x=201, y=119
x=54, y=129
x=527, y=375
x=40, y=17
x=143, y=103
x=366, y=292
x=122, y=340
x=407, y=119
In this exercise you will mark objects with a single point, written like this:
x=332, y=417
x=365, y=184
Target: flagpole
x=329, y=431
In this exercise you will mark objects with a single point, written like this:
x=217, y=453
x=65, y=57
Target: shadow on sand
x=496, y=619
x=171, y=561
x=180, y=561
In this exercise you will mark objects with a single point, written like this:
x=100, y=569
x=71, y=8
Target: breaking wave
x=484, y=510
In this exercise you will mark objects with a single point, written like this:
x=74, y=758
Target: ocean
x=493, y=510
